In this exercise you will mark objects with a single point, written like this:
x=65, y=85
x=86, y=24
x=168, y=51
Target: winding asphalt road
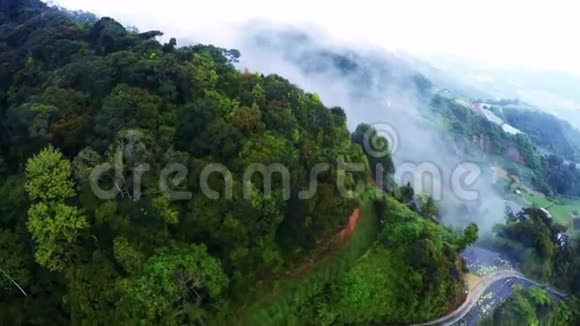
x=486, y=283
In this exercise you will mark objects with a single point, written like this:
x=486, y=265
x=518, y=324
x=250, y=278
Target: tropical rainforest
x=146, y=183
x=108, y=214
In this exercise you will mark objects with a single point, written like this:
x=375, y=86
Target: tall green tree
x=54, y=225
x=48, y=177
x=177, y=286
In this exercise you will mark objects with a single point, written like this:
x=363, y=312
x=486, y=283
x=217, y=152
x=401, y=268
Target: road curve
x=479, y=290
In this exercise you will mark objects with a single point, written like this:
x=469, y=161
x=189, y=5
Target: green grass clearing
x=275, y=304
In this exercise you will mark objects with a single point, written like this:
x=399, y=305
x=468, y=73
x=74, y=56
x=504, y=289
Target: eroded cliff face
x=484, y=144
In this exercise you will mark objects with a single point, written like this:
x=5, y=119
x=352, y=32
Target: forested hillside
x=552, y=135
x=94, y=92
x=542, y=156
x=558, y=141
x=530, y=307
x=471, y=129
x=105, y=218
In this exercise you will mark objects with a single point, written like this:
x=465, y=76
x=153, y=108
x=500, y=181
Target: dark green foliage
x=532, y=236
x=470, y=235
x=560, y=177
x=545, y=253
x=378, y=153
x=531, y=306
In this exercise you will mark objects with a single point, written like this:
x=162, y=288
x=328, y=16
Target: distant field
x=540, y=201
x=560, y=208
x=564, y=208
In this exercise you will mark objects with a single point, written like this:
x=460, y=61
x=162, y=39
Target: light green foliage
x=171, y=280
x=384, y=288
x=205, y=76
x=424, y=251
x=268, y=149
x=314, y=97
x=163, y=206
x=128, y=257
x=222, y=103
x=367, y=293
x=54, y=228
x=53, y=224
x=539, y=297
x=258, y=94
x=49, y=176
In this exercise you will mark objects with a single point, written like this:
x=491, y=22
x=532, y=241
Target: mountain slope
x=145, y=183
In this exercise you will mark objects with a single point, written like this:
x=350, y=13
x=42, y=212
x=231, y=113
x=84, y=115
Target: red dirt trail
x=348, y=230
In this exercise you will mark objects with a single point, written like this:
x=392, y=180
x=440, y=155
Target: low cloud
x=380, y=88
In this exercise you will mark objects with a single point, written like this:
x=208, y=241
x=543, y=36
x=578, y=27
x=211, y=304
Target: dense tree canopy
x=125, y=196
x=98, y=125
x=531, y=306
x=144, y=183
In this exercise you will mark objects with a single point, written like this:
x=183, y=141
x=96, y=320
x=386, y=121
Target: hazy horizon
x=535, y=36
x=505, y=49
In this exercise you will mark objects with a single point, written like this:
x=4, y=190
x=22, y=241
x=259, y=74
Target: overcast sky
x=537, y=35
